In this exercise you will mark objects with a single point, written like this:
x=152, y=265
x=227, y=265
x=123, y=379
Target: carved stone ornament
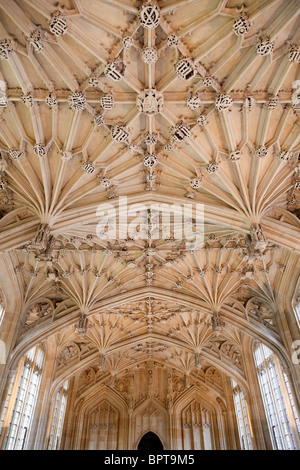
x=98, y=120
x=150, y=139
x=149, y=55
x=36, y=40
x=105, y=182
x=264, y=46
x=6, y=49
x=242, y=25
x=181, y=132
x=185, y=69
x=51, y=100
x=3, y=95
x=261, y=152
x=172, y=40
x=77, y=101
x=294, y=54
x=150, y=101
x=127, y=42
x=15, y=154
x=150, y=160
x=58, y=24
x=223, y=102
x=149, y=16
x=234, y=156
x=40, y=150
x=115, y=70
x=196, y=183
x=119, y=134
x=193, y=102
x=212, y=167
x=285, y=155
x=88, y=167
x=107, y=102
x=27, y=99
x=201, y=120
x=217, y=324
x=273, y=102
x=82, y=325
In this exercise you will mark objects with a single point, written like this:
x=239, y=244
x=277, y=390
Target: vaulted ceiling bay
x=159, y=104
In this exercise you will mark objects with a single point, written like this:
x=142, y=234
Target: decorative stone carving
x=201, y=120
x=27, y=99
x=196, y=183
x=150, y=160
x=193, y=102
x=105, y=182
x=217, y=324
x=273, y=102
x=181, y=132
x=149, y=16
x=107, y=101
x=6, y=49
x=264, y=46
x=150, y=101
x=15, y=154
x=81, y=328
x=36, y=40
x=99, y=120
x=294, y=54
x=3, y=95
x=51, y=100
x=234, y=156
x=115, y=70
x=102, y=362
x=149, y=55
x=168, y=147
x=88, y=167
x=258, y=237
x=172, y=41
x=66, y=155
x=119, y=134
x=150, y=139
x=127, y=42
x=242, y=25
x=40, y=150
x=223, y=102
x=77, y=101
x=185, y=69
x=208, y=81
x=93, y=81
x=261, y=152
x=198, y=361
x=212, y=167
x=67, y=354
x=42, y=236
x=58, y=24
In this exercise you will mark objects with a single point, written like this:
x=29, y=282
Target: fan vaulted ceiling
x=174, y=101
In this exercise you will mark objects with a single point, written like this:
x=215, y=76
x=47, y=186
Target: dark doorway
x=150, y=442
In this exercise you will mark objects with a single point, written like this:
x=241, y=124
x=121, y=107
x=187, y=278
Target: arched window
x=2, y=309
x=58, y=417
x=281, y=413
x=297, y=311
x=241, y=416
x=21, y=399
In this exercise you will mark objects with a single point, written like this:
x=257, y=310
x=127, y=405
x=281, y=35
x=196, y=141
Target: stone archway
x=150, y=442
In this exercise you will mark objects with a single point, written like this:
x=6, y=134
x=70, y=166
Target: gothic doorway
x=150, y=442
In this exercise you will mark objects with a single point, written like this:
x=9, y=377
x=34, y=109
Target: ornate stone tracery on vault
x=172, y=106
